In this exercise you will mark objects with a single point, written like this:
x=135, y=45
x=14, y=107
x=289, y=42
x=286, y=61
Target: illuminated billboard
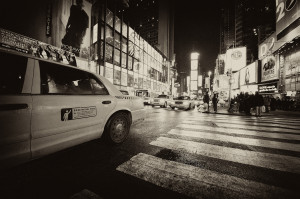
x=269, y=69
x=287, y=11
x=235, y=59
x=248, y=74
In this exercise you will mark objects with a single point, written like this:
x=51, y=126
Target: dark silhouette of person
x=76, y=27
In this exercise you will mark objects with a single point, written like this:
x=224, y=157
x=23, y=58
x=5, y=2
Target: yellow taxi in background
x=162, y=100
x=183, y=102
x=46, y=106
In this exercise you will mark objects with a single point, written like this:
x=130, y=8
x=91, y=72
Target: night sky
x=197, y=29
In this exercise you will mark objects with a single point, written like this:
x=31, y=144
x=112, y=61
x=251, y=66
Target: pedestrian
x=267, y=103
x=206, y=100
x=259, y=102
x=215, y=101
x=247, y=103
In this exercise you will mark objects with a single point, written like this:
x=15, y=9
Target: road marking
x=241, y=132
x=237, y=140
x=290, y=126
x=193, y=181
x=262, y=119
x=229, y=124
x=260, y=159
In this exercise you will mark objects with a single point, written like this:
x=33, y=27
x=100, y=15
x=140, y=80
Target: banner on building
x=287, y=11
x=248, y=75
x=74, y=28
x=268, y=46
x=235, y=58
x=269, y=69
x=268, y=88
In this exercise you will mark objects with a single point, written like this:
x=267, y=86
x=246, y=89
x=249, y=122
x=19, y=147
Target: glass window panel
x=117, y=57
x=118, y=24
x=109, y=36
x=55, y=81
x=109, y=17
x=108, y=53
x=124, y=56
x=131, y=34
x=12, y=78
x=131, y=48
x=118, y=40
x=124, y=45
x=124, y=30
x=130, y=62
x=98, y=86
x=117, y=77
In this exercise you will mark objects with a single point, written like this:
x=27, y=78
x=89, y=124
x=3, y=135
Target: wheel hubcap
x=118, y=130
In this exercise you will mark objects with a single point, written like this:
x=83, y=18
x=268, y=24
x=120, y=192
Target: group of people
x=245, y=102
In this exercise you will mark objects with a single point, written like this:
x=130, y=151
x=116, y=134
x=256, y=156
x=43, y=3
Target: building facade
x=96, y=33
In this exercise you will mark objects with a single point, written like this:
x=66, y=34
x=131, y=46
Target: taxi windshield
x=183, y=98
x=162, y=96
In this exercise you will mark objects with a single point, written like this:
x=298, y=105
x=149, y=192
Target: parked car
x=46, y=106
x=183, y=102
x=162, y=100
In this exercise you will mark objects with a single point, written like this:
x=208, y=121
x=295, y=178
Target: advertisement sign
x=268, y=46
x=248, y=74
x=194, y=64
x=200, y=80
x=36, y=48
x=236, y=79
x=235, y=59
x=73, y=33
x=269, y=69
x=268, y=88
x=287, y=11
x=194, y=85
x=292, y=71
x=194, y=75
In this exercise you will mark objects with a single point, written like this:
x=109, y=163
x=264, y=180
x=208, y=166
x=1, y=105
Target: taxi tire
x=114, y=122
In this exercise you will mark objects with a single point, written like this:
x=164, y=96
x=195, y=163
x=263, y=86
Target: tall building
x=246, y=23
x=254, y=21
x=153, y=20
x=227, y=36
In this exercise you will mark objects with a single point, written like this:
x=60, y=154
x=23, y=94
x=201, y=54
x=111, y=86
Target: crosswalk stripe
x=266, y=160
x=281, y=121
x=241, y=132
x=193, y=181
x=237, y=140
x=252, y=127
x=293, y=126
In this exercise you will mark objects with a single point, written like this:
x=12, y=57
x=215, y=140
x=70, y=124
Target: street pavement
x=222, y=156
x=173, y=154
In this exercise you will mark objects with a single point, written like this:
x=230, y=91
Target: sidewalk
x=223, y=111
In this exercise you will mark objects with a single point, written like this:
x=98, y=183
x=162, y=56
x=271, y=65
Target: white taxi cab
x=162, y=100
x=46, y=106
x=183, y=102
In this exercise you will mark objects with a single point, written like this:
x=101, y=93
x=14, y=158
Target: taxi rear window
x=12, y=73
x=56, y=79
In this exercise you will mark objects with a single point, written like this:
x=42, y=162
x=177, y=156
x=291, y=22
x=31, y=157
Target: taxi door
x=67, y=111
x=15, y=109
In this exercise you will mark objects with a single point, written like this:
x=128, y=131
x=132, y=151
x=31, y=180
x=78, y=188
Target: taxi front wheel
x=117, y=128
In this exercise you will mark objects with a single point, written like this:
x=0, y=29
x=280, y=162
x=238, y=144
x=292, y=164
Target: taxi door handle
x=11, y=107
x=106, y=102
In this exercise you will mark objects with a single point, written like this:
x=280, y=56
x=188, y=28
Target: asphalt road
x=172, y=154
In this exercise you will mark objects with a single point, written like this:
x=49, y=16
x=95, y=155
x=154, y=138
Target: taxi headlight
x=185, y=103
